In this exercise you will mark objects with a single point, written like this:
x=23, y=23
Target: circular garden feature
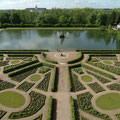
x=86, y=78
x=107, y=62
x=110, y=101
x=12, y=99
x=15, y=61
x=35, y=77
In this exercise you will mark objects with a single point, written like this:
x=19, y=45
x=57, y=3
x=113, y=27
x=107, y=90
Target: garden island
x=45, y=77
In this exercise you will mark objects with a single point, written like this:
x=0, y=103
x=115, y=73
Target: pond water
x=49, y=39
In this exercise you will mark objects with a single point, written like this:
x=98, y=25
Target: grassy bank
x=53, y=28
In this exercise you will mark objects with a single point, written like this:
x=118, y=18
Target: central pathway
x=63, y=105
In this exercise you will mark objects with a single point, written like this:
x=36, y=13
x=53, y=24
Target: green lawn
x=35, y=78
x=12, y=99
x=86, y=78
x=15, y=61
x=107, y=62
x=110, y=101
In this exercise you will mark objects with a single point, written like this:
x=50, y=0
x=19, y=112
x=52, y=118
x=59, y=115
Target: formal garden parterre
x=40, y=82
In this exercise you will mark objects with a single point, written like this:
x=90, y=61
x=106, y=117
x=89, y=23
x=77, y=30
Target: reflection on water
x=49, y=39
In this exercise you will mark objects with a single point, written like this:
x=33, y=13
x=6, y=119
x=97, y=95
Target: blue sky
x=21, y=4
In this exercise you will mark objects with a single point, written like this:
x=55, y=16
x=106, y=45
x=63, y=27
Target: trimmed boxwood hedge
x=2, y=113
x=84, y=102
x=69, y=79
x=18, y=66
x=72, y=108
x=44, y=70
x=98, y=71
x=54, y=80
x=49, y=111
x=37, y=101
x=20, y=55
x=43, y=55
x=114, y=86
x=39, y=117
x=77, y=59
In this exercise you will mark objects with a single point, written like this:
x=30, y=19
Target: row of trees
x=61, y=17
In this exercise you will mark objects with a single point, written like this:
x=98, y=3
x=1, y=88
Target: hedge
x=98, y=71
x=72, y=105
x=49, y=111
x=43, y=55
x=48, y=65
x=20, y=66
x=20, y=55
x=54, y=79
x=12, y=74
x=77, y=59
x=69, y=79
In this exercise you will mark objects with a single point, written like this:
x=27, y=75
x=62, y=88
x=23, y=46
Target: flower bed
x=114, y=86
x=36, y=103
x=96, y=87
x=113, y=69
x=84, y=101
x=25, y=86
x=98, y=71
x=3, y=63
x=43, y=85
x=24, y=75
x=44, y=70
x=101, y=79
x=78, y=70
x=2, y=113
x=5, y=85
x=76, y=84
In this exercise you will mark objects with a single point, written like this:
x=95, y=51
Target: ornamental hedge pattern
x=36, y=103
x=114, y=86
x=84, y=102
x=76, y=84
x=44, y=70
x=43, y=85
x=2, y=113
x=6, y=85
x=78, y=70
x=25, y=86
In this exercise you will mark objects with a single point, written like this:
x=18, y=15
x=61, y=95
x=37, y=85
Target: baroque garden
x=43, y=85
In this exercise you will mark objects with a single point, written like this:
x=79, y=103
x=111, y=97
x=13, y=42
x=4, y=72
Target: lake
x=49, y=39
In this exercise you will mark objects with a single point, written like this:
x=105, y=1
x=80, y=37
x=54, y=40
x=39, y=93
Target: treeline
x=86, y=17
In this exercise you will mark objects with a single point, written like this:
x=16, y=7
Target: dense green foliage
x=2, y=113
x=84, y=101
x=3, y=63
x=96, y=87
x=43, y=85
x=49, y=111
x=25, y=86
x=37, y=101
x=72, y=108
x=76, y=84
x=44, y=69
x=118, y=116
x=115, y=86
x=5, y=85
x=78, y=70
x=69, y=79
x=60, y=17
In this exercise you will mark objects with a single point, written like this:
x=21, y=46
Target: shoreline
x=52, y=28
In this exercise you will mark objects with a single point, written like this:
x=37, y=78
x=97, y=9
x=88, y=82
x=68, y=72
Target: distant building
x=36, y=9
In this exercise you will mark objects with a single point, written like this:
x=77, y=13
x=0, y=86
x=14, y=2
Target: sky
x=22, y=4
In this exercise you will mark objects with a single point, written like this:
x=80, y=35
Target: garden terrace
x=36, y=103
x=84, y=101
x=43, y=85
x=114, y=86
x=96, y=87
x=25, y=86
x=6, y=85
